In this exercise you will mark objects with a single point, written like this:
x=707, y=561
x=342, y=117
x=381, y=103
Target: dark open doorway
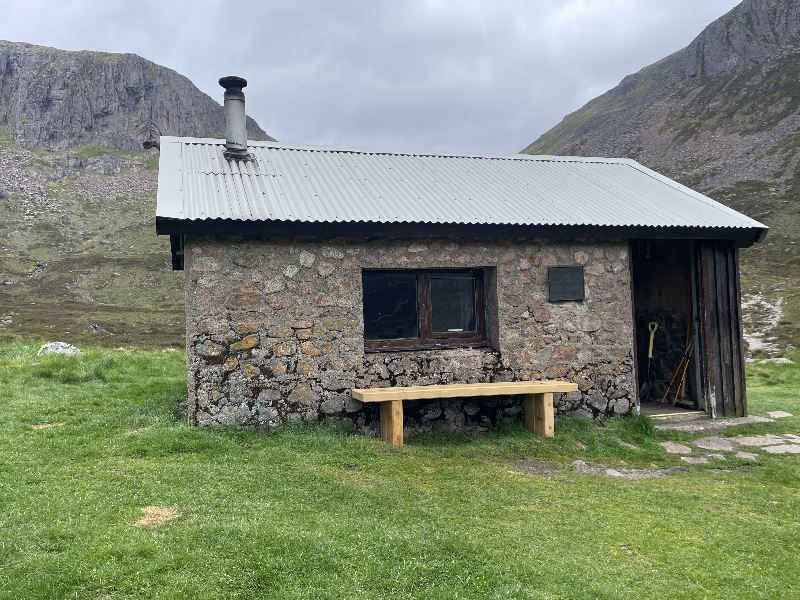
x=665, y=306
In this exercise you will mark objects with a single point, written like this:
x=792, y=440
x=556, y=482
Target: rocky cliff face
x=58, y=99
x=752, y=34
x=79, y=258
x=721, y=115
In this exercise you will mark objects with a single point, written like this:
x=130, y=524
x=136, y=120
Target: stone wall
x=275, y=330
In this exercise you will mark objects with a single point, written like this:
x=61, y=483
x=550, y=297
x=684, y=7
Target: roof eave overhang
x=742, y=236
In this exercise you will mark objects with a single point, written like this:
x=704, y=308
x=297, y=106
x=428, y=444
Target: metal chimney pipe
x=235, y=118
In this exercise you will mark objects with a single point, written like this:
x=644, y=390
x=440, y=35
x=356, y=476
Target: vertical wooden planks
x=720, y=342
x=737, y=340
x=726, y=404
x=707, y=302
x=697, y=374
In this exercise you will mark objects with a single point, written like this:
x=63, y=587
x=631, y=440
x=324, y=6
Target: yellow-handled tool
x=652, y=326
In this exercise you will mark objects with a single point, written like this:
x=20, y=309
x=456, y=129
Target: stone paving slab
x=713, y=424
x=695, y=460
x=621, y=473
x=675, y=448
x=715, y=442
x=759, y=440
x=783, y=449
x=779, y=414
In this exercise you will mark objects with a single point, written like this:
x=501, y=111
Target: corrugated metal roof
x=317, y=184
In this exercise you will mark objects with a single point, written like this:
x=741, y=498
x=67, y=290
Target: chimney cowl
x=232, y=82
x=235, y=118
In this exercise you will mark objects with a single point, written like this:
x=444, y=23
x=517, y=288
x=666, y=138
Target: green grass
x=88, y=151
x=5, y=137
x=311, y=512
x=151, y=163
x=95, y=150
x=774, y=387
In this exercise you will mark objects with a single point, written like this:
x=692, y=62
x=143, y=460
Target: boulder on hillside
x=58, y=348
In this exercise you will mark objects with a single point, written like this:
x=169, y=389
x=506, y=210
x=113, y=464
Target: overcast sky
x=455, y=76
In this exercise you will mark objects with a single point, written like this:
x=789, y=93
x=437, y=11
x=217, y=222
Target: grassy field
x=311, y=512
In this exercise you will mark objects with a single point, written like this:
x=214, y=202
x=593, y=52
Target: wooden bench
x=537, y=399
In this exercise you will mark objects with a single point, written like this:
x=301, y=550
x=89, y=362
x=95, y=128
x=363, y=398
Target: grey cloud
x=441, y=75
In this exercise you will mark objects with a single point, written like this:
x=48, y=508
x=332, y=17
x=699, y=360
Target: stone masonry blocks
x=275, y=330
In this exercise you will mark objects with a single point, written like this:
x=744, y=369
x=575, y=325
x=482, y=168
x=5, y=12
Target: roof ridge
x=321, y=148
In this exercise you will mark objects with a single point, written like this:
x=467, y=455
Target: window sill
x=372, y=346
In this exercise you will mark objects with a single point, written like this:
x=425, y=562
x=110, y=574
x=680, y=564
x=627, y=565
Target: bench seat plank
x=537, y=400
x=463, y=390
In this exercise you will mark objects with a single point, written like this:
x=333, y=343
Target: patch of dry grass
x=157, y=515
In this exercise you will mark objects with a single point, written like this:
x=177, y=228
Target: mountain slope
x=723, y=116
x=79, y=257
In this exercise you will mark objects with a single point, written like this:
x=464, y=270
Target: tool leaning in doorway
x=647, y=387
x=681, y=370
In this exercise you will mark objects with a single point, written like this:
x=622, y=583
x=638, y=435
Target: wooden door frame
x=633, y=321
x=699, y=396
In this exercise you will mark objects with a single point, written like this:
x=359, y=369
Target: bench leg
x=392, y=422
x=539, y=416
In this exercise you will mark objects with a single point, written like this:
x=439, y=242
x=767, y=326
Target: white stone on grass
x=58, y=348
x=675, y=448
x=715, y=442
x=628, y=445
x=747, y=455
x=779, y=414
x=783, y=449
x=716, y=456
x=695, y=460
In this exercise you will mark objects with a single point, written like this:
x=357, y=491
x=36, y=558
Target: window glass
x=390, y=306
x=452, y=303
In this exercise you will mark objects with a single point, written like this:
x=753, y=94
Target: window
x=565, y=284
x=414, y=310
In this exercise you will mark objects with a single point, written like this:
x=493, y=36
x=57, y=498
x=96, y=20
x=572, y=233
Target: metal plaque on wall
x=565, y=284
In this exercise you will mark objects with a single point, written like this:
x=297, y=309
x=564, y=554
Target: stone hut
x=313, y=271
